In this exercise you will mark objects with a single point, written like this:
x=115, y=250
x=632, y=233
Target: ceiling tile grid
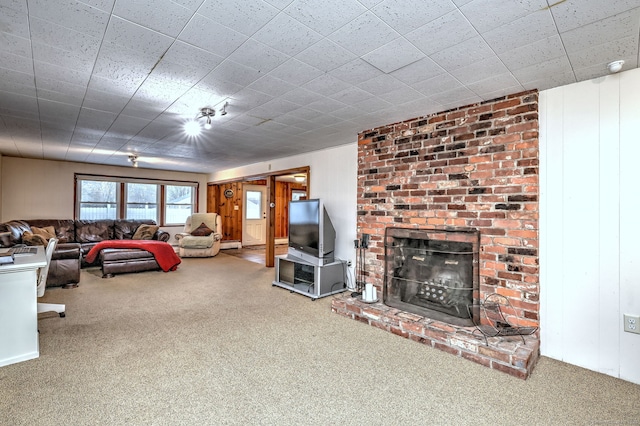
x=95, y=80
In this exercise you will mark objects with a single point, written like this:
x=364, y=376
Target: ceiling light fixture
x=300, y=178
x=133, y=159
x=615, y=66
x=192, y=128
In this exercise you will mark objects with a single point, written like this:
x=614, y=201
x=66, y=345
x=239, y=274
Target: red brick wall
x=475, y=167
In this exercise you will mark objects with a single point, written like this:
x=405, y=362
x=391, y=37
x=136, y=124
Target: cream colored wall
x=333, y=179
x=33, y=189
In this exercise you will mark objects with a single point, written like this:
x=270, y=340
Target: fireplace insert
x=433, y=273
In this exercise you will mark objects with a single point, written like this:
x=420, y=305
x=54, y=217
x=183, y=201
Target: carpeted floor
x=214, y=343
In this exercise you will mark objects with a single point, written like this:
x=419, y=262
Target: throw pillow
x=202, y=231
x=47, y=232
x=145, y=232
x=31, y=239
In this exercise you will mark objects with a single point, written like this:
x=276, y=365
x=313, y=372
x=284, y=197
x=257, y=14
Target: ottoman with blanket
x=124, y=256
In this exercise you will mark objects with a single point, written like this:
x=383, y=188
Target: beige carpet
x=214, y=343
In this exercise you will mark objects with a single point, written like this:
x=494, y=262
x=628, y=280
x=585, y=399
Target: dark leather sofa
x=76, y=238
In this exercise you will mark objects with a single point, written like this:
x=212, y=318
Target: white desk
x=19, y=308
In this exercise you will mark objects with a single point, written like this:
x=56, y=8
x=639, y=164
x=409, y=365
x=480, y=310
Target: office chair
x=42, y=282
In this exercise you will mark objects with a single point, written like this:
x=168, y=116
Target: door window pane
x=179, y=203
x=142, y=201
x=253, y=203
x=98, y=200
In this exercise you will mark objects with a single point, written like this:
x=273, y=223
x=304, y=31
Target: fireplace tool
x=361, y=246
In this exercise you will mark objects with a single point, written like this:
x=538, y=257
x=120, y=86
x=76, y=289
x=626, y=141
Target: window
x=108, y=197
x=98, y=200
x=254, y=201
x=179, y=203
x=142, y=201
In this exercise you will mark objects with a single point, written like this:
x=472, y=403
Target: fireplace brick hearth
x=473, y=167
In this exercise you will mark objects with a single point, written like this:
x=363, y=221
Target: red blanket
x=163, y=252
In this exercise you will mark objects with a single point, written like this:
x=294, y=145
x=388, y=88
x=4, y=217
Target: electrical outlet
x=349, y=263
x=632, y=323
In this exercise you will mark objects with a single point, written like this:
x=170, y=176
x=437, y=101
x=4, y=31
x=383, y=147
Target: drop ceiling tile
x=326, y=105
x=258, y=56
x=372, y=105
x=548, y=82
x=295, y=72
x=117, y=87
x=521, y=32
x=496, y=86
x=287, y=35
x=463, y=54
x=211, y=36
x=567, y=16
x=106, y=102
x=58, y=111
x=271, y=86
x=480, y=70
x=301, y=96
x=235, y=14
x=17, y=5
x=382, y=84
x=218, y=87
x=280, y=4
x=437, y=84
x=143, y=12
x=402, y=95
x=356, y=71
x=418, y=71
x=540, y=51
x=136, y=37
x=19, y=102
x=325, y=55
x=71, y=14
x=604, y=53
x=461, y=2
x=14, y=22
x=71, y=60
x=141, y=109
x=119, y=64
x=19, y=89
x=247, y=99
x=124, y=125
x=326, y=85
x=11, y=76
x=487, y=14
x=160, y=91
x=51, y=34
x=15, y=45
x=457, y=97
x=351, y=95
x=60, y=86
x=235, y=73
x=325, y=16
x=394, y=55
x=407, y=15
x=365, y=33
x=60, y=97
x=16, y=63
x=607, y=30
x=441, y=33
x=547, y=69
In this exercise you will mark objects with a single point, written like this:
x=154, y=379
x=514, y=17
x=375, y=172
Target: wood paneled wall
x=230, y=209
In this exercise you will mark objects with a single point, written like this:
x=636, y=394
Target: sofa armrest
x=66, y=251
x=161, y=235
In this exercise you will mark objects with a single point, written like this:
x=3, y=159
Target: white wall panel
x=589, y=268
x=629, y=213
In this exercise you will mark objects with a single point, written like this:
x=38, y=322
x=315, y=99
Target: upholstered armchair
x=201, y=236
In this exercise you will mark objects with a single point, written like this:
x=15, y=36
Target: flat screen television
x=312, y=236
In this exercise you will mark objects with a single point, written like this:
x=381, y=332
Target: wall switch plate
x=632, y=323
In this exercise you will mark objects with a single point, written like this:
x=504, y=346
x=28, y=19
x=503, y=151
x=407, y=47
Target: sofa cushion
x=145, y=232
x=89, y=231
x=202, y=231
x=31, y=239
x=47, y=232
x=125, y=228
x=64, y=229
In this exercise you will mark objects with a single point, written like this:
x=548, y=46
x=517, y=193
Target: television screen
x=310, y=230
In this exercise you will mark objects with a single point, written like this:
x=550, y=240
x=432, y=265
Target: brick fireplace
x=470, y=168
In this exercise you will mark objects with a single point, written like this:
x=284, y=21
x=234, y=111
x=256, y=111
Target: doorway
x=254, y=215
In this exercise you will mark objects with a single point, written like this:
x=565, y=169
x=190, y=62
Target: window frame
x=121, y=194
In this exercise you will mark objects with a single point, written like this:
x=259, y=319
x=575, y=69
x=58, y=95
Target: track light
x=192, y=128
x=133, y=159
